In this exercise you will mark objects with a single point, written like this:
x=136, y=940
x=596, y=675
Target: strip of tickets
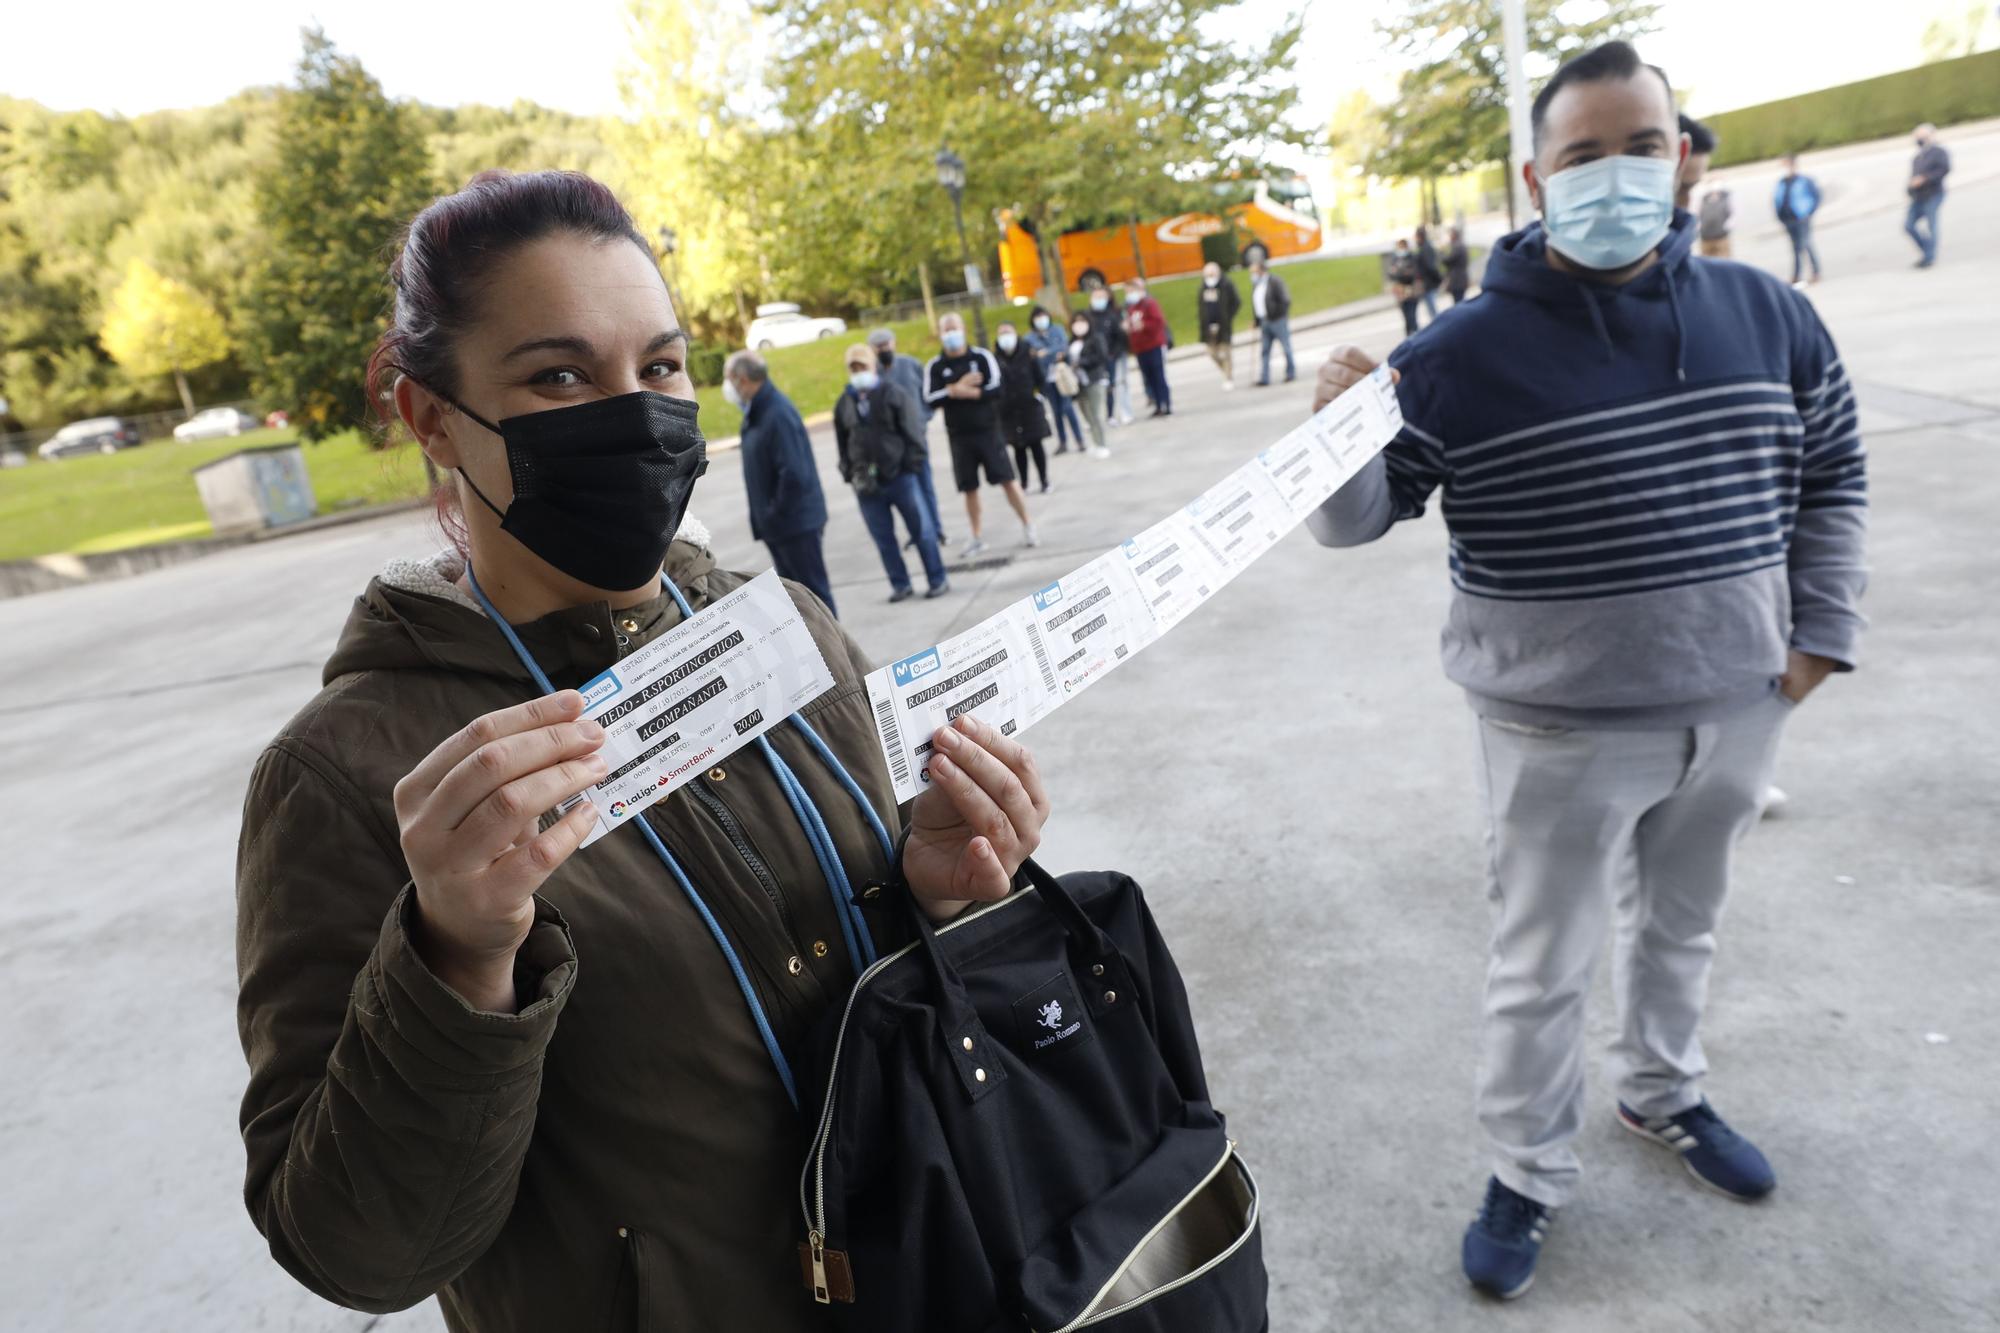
x=1018, y=667
x=703, y=690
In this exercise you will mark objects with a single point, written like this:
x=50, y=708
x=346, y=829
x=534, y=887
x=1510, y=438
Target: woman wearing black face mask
x=554, y=1086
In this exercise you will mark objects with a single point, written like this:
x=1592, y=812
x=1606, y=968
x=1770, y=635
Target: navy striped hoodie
x=1651, y=490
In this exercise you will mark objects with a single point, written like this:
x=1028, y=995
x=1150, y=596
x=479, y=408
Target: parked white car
x=215, y=423
x=782, y=324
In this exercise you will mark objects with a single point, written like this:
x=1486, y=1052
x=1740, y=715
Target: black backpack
x=1016, y=1133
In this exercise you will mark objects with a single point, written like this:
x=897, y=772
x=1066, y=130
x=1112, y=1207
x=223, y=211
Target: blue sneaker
x=1713, y=1153
x=1504, y=1241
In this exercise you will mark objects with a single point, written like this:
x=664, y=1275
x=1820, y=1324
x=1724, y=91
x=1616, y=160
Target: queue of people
x=1415, y=271
x=1043, y=379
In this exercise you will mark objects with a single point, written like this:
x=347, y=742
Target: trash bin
x=253, y=489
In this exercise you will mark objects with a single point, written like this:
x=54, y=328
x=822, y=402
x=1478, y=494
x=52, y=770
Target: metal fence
x=891, y=314
x=152, y=426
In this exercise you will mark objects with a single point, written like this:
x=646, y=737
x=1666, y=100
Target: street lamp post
x=669, y=244
x=1520, y=137
x=951, y=175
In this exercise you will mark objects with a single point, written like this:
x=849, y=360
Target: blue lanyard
x=854, y=930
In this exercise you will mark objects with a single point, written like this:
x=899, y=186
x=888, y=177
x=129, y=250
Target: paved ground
x=1310, y=843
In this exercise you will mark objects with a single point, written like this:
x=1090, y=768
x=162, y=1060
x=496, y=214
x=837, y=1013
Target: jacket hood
x=413, y=615
x=1520, y=267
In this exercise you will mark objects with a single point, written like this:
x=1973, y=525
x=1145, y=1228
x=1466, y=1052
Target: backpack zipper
x=812, y=1180
x=1087, y=1318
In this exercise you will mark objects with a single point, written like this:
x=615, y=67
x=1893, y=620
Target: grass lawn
x=138, y=497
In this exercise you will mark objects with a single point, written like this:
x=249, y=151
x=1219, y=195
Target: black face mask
x=885, y=359
x=600, y=488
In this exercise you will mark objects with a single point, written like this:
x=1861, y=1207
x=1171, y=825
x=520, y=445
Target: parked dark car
x=98, y=435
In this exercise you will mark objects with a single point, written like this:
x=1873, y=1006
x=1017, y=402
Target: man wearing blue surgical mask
x=1656, y=497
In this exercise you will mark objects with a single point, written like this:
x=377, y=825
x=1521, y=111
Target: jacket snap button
x=819, y=948
x=796, y=965
x=968, y=1043
x=716, y=775
x=629, y=625
x=1097, y=969
x=592, y=633
x=622, y=1233
x=1111, y=997
x=872, y=892
x=979, y=1074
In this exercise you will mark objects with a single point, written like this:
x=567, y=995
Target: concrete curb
x=1369, y=305
x=52, y=573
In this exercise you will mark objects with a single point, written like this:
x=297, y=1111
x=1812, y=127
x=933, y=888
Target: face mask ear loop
x=467, y=478
x=461, y=407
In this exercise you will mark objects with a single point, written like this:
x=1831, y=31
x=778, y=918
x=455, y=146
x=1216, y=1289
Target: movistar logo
x=916, y=666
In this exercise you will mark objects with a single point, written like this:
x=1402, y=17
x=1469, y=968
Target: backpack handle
x=1109, y=980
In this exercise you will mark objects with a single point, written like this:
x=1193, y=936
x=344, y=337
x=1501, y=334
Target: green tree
x=1450, y=109
x=155, y=326
x=348, y=168
x=691, y=156
x=1067, y=112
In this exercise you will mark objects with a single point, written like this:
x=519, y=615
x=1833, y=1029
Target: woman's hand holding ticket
x=470, y=816
x=981, y=816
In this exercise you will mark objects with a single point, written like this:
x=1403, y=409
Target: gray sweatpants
x=1582, y=826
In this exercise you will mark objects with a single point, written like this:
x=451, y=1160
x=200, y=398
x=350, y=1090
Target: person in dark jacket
x=1795, y=200
x=1457, y=266
x=1107, y=316
x=1271, y=308
x=1045, y=335
x=1406, y=285
x=1927, y=172
x=1629, y=707
x=486, y=1066
x=1215, y=309
x=878, y=432
x=1091, y=361
x=1429, y=271
x=965, y=381
x=908, y=373
x=1022, y=388
x=780, y=479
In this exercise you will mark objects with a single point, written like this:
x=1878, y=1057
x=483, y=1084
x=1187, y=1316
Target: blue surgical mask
x=953, y=340
x=1609, y=213
x=1007, y=341
x=864, y=380
x=1098, y=300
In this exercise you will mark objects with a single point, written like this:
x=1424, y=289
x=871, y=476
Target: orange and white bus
x=1279, y=214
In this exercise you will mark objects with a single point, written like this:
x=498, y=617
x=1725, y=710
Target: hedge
x=1944, y=93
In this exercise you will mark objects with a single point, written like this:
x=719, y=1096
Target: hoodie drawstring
x=1680, y=325
x=1597, y=320
x=1673, y=302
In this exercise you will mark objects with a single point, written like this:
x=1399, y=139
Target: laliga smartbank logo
x=916, y=666
x=597, y=691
